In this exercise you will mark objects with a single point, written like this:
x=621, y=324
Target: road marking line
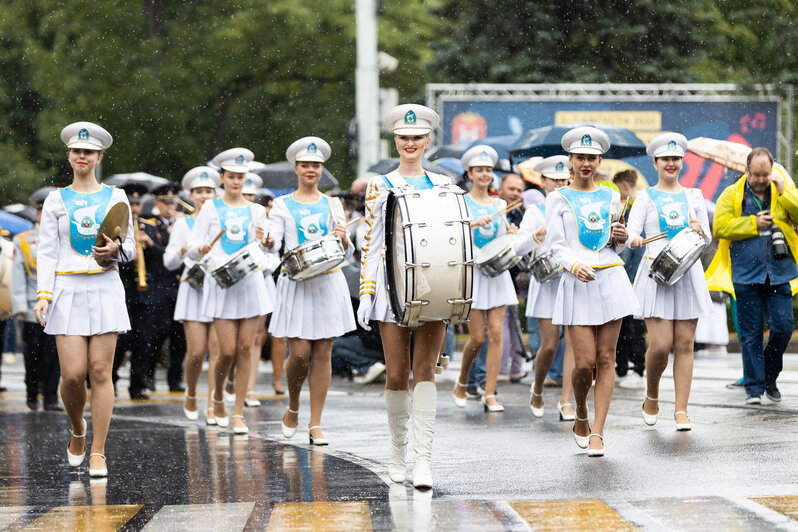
x=570, y=514
x=784, y=505
x=79, y=518
x=11, y=516
x=320, y=516
x=197, y=517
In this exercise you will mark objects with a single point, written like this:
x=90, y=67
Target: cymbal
x=114, y=226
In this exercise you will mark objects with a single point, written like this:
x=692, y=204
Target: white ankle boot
x=397, y=404
x=424, y=402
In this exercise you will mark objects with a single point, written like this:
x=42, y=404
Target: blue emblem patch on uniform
x=672, y=145
x=204, y=175
x=83, y=134
x=559, y=167
x=240, y=159
x=483, y=156
x=410, y=118
x=586, y=140
x=312, y=147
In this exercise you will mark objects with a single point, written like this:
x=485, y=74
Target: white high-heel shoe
x=537, y=412
x=460, y=401
x=190, y=415
x=76, y=459
x=596, y=452
x=251, y=402
x=563, y=415
x=682, y=426
x=316, y=441
x=98, y=472
x=210, y=419
x=288, y=432
x=221, y=421
x=491, y=408
x=650, y=419
x=240, y=430
x=581, y=441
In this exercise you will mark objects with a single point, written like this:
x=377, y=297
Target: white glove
x=364, y=312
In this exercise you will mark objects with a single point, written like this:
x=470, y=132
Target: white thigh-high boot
x=425, y=398
x=397, y=404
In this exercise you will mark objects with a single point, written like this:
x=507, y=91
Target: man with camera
x=754, y=220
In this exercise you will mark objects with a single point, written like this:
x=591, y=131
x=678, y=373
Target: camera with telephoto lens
x=780, y=249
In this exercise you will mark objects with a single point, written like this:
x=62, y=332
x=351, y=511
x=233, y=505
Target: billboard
x=754, y=123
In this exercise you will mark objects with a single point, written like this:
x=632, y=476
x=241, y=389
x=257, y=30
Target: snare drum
x=545, y=267
x=677, y=257
x=313, y=258
x=195, y=276
x=428, y=258
x=239, y=265
x=497, y=256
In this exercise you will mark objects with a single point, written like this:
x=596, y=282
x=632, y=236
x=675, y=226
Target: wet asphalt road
x=737, y=468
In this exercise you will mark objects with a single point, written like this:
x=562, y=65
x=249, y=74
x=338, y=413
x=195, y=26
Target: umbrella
x=545, y=141
x=11, y=224
x=454, y=151
x=23, y=211
x=139, y=178
x=729, y=154
x=386, y=166
x=281, y=176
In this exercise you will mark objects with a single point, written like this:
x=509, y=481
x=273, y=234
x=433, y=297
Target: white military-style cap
x=480, y=155
x=667, y=145
x=308, y=149
x=252, y=182
x=86, y=136
x=201, y=176
x=586, y=139
x=555, y=167
x=234, y=160
x=411, y=119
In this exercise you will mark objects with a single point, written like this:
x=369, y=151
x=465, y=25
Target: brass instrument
x=141, y=267
x=186, y=206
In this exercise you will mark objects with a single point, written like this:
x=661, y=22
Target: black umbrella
x=138, y=178
x=454, y=151
x=386, y=166
x=281, y=176
x=546, y=141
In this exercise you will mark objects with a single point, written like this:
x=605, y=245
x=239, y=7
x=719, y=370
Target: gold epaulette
x=148, y=221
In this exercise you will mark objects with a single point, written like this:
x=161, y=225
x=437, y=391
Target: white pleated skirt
x=492, y=292
x=271, y=289
x=686, y=300
x=313, y=309
x=87, y=305
x=189, y=304
x=540, y=298
x=246, y=299
x=607, y=298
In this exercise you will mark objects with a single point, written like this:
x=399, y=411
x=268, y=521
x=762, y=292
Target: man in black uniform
x=135, y=340
x=161, y=296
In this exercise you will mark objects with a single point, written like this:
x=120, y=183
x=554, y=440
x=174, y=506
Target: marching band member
x=79, y=301
x=540, y=300
x=411, y=125
x=594, y=291
x=490, y=294
x=201, y=183
x=314, y=311
x=237, y=309
x=671, y=312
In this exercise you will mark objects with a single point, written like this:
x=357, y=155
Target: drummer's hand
x=268, y=242
x=636, y=242
x=695, y=225
x=584, y=273
x=777, y=180
x=145, y=239
x=619, y=233
x=340, y=232
x=183, y=250
x=513, y=229
x=259, y=232
x=203, y=249
x=764, y=220
x=107, y=251
x=481, y=221
x=540, y=233
x=40, y=311
x=364, y=312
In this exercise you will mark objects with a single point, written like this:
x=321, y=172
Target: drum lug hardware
x=422, y=265
x=456, y=263
x=450, y=223
x=410, y=224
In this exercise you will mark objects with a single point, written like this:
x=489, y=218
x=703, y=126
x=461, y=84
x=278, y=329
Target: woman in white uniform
x=79, y=301
x=311, y=312
x=490, y=294
x=585, y=227
x=555, y=172
x=201, y=183
x=671, y=312
x=411, y=125
x=237, y=309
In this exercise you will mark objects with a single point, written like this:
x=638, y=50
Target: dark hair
x=625, y=176
x=757, y=152
x=512, y=175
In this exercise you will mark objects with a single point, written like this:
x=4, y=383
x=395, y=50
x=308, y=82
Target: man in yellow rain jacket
x=756, y=263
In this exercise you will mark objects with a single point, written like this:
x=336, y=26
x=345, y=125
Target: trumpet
x=186, y=206
x=141, y=266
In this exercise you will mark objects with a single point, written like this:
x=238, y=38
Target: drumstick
x=353, y=220
x=658, y=236
x=217, y=237
x=511, y=207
